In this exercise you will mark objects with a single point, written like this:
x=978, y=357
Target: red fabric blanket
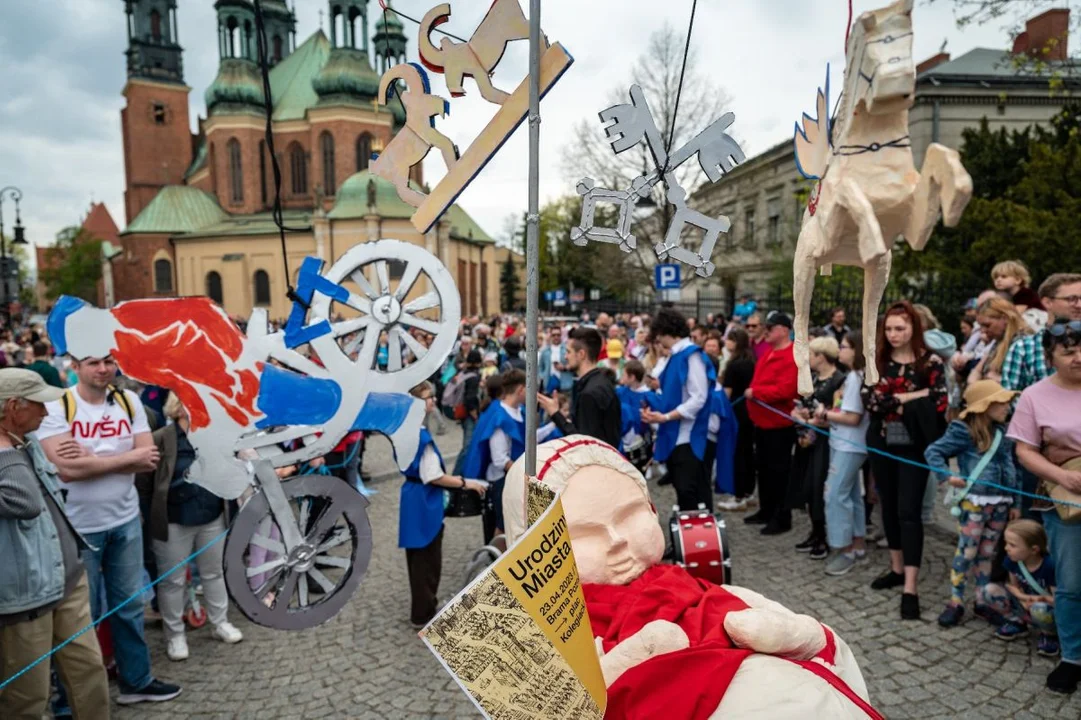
x=688, y=684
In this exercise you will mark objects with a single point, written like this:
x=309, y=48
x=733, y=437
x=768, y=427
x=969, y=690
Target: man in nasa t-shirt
x=98, y=453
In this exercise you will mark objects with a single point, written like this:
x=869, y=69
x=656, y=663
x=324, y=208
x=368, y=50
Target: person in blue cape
x=420, y=520
x=498, y=440
x=637, y=435
x=682, y=411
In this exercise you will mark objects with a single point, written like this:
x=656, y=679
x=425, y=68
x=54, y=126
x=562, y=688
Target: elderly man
x=44, y=594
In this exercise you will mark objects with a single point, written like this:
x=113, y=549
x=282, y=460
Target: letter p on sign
x=666, y=277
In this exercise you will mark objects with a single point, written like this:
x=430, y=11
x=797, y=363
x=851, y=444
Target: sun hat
x=615, y=348
x=28, y=385
x=981, y=394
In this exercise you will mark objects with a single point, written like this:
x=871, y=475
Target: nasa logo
x=104, y=428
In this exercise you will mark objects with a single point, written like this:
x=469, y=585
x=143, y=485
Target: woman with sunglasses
x=1047, y=429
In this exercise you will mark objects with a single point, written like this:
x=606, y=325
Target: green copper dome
x=346, y=75
x=238, y=84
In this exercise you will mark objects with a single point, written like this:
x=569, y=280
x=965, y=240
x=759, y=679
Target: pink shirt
x=760, y=348
x=1046, y=417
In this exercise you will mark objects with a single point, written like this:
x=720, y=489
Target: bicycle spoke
x=322, y=580
x=302, y=586
x=409, y=278
x=332, y=561
x=268, y=544
x=305, y=508
x=362, y=282
x=394, y=349
x=272, y=582
x=418, y=350
x=424, y=302
x=336, y=538
x=382, y=273
x=350, y=326
x=265, y=567
x=428, y=326
x=358, y=303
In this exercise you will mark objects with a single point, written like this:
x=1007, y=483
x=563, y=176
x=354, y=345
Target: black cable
x=679, y=90
x=414, y=20
x=268, y=108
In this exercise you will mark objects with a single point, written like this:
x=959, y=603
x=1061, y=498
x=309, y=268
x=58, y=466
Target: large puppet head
x=609, y=514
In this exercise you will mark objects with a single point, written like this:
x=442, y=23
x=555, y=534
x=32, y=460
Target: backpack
x=454, y=394
x=68, y=401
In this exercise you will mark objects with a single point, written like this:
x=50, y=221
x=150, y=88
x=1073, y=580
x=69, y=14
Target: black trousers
x=689, y=478
x=425, y=565
x=773, y=458
x=744, y=466
x=813, y=464
x=900, y=491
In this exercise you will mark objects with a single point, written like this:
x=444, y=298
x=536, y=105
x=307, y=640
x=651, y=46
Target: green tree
x=1026, y=204
x=508, y=283
x=79, y=267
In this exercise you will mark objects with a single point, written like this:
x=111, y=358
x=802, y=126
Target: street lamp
x=13, y=193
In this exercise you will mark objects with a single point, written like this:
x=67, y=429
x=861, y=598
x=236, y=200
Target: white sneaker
x=177, y=648
x=228, y=634
x=731, y=504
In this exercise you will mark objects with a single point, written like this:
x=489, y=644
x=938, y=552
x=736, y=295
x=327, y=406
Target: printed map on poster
x=518, y=638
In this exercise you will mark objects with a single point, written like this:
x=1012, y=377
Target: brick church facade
x=198, y=205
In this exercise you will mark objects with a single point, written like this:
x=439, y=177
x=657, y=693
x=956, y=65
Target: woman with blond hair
x=1001, y=325
x=183, y=518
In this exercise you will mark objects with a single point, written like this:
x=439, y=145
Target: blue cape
x=421, y=513
x=479, y=455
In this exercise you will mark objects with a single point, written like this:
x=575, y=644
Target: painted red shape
x=152, y=316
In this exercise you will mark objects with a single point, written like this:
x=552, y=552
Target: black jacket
x=595, y=409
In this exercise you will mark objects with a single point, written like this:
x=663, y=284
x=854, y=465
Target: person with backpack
x=111, y=427
x=462, y=398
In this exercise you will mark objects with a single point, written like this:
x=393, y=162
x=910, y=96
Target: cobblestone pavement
x=368, y=663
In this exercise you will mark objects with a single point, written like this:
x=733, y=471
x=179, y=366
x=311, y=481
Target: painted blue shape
x=289, y=398
x=309, y=282
x=829, y=128
x=383, y=412
x=55, y=326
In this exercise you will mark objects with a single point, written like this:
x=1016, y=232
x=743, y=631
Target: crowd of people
x=92, y=467
x=982, y=419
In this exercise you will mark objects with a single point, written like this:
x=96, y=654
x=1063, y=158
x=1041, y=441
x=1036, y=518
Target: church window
x=159, y=113
x=163, y=276
x=277, y=48
x=298, y=169
x=213, y=286
x=261, y=280
x=236, y=173
x=364, y=151
x=326, y=142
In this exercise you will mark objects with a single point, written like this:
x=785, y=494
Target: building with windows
x=198, y=206
x=765, y=197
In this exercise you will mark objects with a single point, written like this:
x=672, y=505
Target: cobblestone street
x=368, y=663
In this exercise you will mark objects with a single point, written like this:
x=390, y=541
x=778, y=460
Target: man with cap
x=770, y=399
x=44, y=594
x=595, y=408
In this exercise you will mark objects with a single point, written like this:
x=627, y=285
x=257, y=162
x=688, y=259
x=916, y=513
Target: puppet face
x=612, y=525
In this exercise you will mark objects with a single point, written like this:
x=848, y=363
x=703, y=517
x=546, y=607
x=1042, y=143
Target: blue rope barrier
x=913, y=463
x=91, y=626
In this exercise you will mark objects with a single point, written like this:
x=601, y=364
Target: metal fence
x=946, y=301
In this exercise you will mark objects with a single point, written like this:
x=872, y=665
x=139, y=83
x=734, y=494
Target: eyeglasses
x=1071, y=299
x=752, y=325
x=1061, y=328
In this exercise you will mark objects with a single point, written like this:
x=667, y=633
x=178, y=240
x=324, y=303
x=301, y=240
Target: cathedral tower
x=155, y=123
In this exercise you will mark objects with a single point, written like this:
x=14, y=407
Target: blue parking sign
x=666, y=277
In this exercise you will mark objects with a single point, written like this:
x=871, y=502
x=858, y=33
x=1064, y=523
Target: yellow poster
x=518, y=638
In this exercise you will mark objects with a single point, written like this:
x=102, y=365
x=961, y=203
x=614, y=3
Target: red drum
x=700, y=544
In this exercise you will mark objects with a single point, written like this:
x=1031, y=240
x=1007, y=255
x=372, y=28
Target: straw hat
x=981, y=394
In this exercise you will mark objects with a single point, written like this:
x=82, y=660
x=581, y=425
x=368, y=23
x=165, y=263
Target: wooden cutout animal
x=412, y=143
x=869, y=191
x=477, y=58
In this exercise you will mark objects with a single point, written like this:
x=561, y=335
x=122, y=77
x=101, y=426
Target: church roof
x=291, y=79
x=253, y=224
x=99, y=224
x=352, y=202
x=177, y=209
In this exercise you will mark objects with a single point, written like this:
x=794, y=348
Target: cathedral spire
x=153, y=51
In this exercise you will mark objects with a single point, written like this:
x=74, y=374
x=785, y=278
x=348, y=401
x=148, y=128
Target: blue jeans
x=468, y=424
x=118, y=563
x=1065, y=542
x=845, y=516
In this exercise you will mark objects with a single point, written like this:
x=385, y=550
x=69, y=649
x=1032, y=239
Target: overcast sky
x=64, y=69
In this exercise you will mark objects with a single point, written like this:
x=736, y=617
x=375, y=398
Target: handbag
x=897, y=434
x=955, y=495
x=1069, y=513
